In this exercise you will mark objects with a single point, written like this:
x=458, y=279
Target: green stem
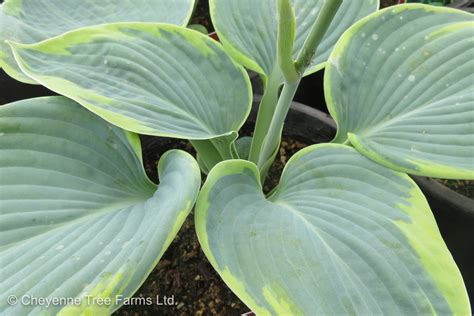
x=266, y=110
x=273, y=138
x=318, y=30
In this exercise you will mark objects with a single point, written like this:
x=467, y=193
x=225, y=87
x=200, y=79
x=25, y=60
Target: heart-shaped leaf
x=340, y=235
x=31, y=21
x=154, y=79
x=249, y=29
x=78, y=215
x=406, y=101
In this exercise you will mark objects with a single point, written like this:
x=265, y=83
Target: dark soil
x=464, y=187
x=288, y=148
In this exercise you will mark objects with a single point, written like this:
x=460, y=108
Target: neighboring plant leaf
x=153, y=79
x=407, y=102
x=243, y=147
x=340, y=235
x=31, y=21
x=78, y=215
x=248, y=29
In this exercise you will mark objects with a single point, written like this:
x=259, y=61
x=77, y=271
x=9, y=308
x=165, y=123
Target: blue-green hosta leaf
x=248, y=29
x=31, y=21
x=154, y=79
x=78, y=215
x=341, y=235
x=406, y=100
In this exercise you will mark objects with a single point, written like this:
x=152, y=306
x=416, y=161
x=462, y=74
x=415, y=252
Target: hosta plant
x=346, y=231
